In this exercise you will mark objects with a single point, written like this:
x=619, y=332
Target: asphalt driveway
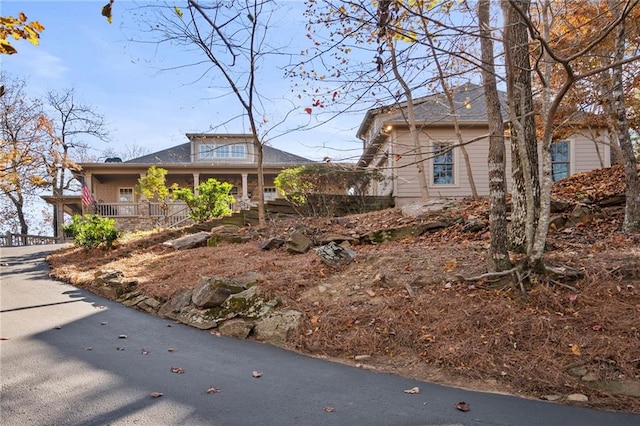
x=69, y=357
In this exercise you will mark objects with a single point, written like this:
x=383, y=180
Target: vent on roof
x=113, y=160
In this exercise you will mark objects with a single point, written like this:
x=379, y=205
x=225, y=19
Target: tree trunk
x=411, y=120
x=498, y=256
x=525, y=200
x=632, y=192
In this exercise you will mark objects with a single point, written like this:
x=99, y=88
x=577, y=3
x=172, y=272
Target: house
x=225, y=157
x=388, y=147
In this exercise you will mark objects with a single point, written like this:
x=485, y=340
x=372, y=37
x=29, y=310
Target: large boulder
x=298, y=243
x=178, y=301
x=277, y=327
x=188, y=241
x=335, y=255
x=226, y=233
x=213, y=291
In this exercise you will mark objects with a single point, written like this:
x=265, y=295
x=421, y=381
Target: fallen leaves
x=575, y=349
x=144, y=351
x=329, y=409
x=156, y=394
x=256, y=374
x=462, y=406
x=171, y=350
x=122, y=336
x=177, y=370
x=5, y=338
x=412, y=390
x=213, y=389
x=88, y=348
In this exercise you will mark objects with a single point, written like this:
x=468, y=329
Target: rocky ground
x=402, y=305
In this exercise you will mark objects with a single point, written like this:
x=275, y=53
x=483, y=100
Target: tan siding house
x=388, y=148
x=225, y=157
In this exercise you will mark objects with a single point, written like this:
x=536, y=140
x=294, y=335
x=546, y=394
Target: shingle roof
x=469, y=105
x=182, y=154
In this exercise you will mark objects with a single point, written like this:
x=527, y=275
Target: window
x=126, y=200
x=222, y=151
x=442, y=164
x=206, y=151
x=270, y=193
x=560, y=160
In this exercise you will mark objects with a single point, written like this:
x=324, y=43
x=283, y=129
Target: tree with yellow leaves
x=18, y=28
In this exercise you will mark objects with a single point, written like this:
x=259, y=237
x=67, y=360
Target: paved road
x=50, y=377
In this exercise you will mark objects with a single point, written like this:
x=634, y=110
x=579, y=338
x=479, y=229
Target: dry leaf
x=256, y=374
x=371, y=293
x=314, y=319
x=177, y=370
x=462, y=406
x=171, y=350
x=329, y=409
x=144, y=352
x=213, y=389
x=122, y=336
x=118, y=348
x=450, y=265
x=88, y=348
x=57, y=327
x=215, y=333
x=5, y=338
x=575, y=349
x=156, y=394
x=412, y=390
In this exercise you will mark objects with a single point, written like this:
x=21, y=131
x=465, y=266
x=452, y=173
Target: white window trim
x=456, y=165
x=572, y=156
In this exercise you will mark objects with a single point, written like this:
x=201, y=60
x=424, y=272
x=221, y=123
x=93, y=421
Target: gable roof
x=469, y=104
x=182, y=154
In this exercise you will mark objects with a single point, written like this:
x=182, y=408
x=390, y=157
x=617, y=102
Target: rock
x=577, y=397
x=436, y=204
x=613, y=200
x=337, y=238
x=188, y=241
x=102, y=277
x=557, y=222
x=237, y=328
x=177, y=302
x=392, y=234
x=226, y=233
x=558, y=206
x=247, y=304
x=581, y=214
x=134, y=300
x=551, y=397
x=474, y=225
x=590, y=377
x=577, y=371
x=197, y=318
x=149, y=304
x=277, y=327
x=298, y=243
x=335, y=255
x=213, y=291
x=272, y=243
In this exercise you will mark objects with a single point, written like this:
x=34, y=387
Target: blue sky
x=144, y=103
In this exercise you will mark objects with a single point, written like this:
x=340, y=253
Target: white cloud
x=42, y=64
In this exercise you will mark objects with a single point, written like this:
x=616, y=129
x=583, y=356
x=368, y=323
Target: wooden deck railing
x=17, y=240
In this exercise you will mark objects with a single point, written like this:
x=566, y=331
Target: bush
x=317, y=189
x=213, y=200
x=92, y=231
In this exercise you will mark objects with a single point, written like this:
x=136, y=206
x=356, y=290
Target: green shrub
x=213, y=200
x=92, y=231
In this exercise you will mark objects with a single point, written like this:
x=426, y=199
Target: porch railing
x=17, y=240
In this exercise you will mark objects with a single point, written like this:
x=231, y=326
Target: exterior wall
x=585, y=155
x=407, y=185
x=109, y=192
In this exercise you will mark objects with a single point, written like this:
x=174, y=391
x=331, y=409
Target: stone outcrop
x=277, y=327
x=213, y=291
x=335, y=255
x=298, y=243
x=188, y=241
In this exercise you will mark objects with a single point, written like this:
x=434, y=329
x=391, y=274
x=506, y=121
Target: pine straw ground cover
x=404, y=307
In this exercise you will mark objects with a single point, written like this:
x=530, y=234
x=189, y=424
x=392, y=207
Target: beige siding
x=583, y=156
x=407, y=185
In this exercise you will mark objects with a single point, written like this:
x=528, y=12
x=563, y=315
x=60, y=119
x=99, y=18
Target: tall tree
x=233, y=37
x=71, y=124
x=23, y=138
x=498, y=256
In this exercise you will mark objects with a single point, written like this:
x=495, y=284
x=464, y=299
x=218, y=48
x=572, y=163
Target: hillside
x=402, y=306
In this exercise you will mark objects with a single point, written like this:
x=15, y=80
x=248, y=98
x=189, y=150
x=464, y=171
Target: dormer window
x=232, y=151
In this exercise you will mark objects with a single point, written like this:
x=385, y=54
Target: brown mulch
x=403, y=303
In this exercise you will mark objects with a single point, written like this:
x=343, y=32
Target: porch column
x=245, y=187
x=196, y=182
